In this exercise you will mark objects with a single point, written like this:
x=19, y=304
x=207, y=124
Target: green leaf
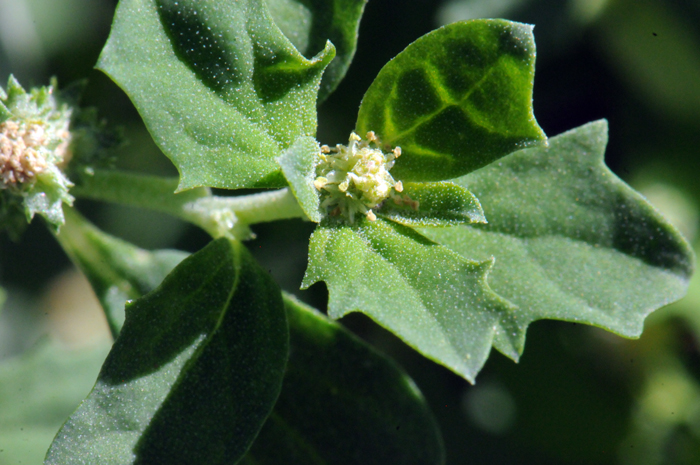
x=435, y=300
x=571, y=240
x=38, y=391
x=456, y=99
x=309, y=23
x=299, y=167
x=432, y=204
x=343, y=403
x=117, y=270
x=194, y=373
x=219, y=86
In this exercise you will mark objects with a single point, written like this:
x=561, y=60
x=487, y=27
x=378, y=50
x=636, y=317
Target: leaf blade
x=456, y=99
x=343, y=402
x=298, y=165
x=220, y=88
x=308, y=24
x=622, y=259
x=195, y=372
x=436, y=301
x=432, y=204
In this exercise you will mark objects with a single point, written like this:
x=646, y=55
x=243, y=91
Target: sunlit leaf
x=432, y=204
x=219, y=86
x=570, y=239
x=456, y=99
x=435, y=300
x=298, y=164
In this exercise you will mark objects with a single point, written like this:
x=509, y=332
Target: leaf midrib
x=415, y=291
x=443, y=105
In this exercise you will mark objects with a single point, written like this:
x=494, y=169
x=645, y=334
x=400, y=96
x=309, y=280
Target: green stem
x=77, y=238
x=219, y=216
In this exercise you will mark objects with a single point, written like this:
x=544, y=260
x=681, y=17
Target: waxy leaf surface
x=117, y=271
x=571, y=240
x=310, y=23
x=437, y=301
x=194, y=373
x=220, y=87
x=343, y=403
x=455, y=100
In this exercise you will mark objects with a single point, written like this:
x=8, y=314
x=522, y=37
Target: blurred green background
x=579, y=395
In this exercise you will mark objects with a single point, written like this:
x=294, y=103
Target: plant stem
x=219, y=216
x=75, y=239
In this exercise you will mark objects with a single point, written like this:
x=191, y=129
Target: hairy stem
x=219, y=216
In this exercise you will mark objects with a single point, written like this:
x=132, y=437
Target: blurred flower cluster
x=34, y=147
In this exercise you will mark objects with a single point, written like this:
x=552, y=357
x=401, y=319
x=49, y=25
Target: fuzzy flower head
x=34, y=141
x=355, y=179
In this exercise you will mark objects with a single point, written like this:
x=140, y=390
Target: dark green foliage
x=194, y=373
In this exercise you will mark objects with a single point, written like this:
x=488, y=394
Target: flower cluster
x=25, y=148
x=34, y=142
x=355, y=179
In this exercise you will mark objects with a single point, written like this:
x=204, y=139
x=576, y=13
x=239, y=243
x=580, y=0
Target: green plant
x=215, y=364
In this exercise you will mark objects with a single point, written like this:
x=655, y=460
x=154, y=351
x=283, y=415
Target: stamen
x=355, y=179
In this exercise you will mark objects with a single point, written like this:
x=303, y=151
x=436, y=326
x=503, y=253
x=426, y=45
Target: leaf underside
x=221, y=89
x=343, y=403
x=456, y=99
x=194, y=373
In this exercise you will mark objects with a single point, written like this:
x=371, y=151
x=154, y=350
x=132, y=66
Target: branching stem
x=219, y=216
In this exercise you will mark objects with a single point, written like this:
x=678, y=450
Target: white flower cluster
x=355, y=179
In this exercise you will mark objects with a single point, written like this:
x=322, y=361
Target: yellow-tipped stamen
x=355, y=179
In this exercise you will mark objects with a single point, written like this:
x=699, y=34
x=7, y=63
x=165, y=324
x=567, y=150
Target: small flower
x=355, y=179
x=34, y=143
